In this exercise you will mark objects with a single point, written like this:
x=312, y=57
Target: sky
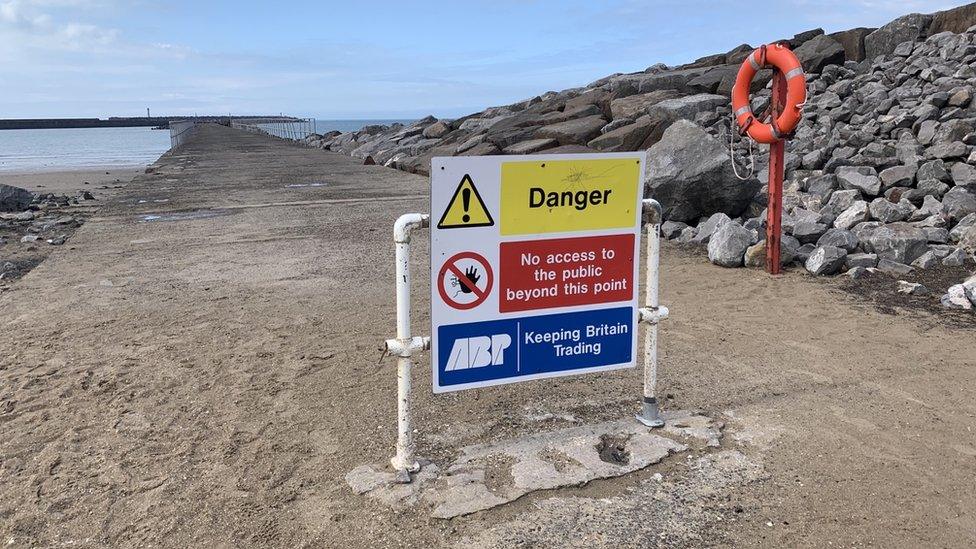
x=376, y=59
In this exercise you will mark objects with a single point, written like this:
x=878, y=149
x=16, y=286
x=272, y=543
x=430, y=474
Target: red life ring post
x=785, y=111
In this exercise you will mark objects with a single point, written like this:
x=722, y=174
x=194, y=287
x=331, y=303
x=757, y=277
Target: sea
x=27, y=151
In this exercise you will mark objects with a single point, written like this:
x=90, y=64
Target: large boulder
x=625, y=138
x=437, y=130
x=634, y=106
x=956, y=20
x=899, y=242
x=573, y=132
x=818, y=52
x=728, y=245
x=688, y=107
x=909, y=28
x=853, y=42
x=14, y=199
x=690, y=173
x=710, y=81
x=530, y=146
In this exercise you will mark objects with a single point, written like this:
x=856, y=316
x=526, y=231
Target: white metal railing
x=180, y=132
x=296, y=129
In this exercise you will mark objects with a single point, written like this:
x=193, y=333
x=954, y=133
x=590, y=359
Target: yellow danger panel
x=466, y=208
x=569, y=195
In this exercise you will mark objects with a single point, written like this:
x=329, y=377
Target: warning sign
x=547, y=291
x=466, y=208
x=465, y=280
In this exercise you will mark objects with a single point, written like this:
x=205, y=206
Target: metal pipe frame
x=405, y=345
x=652, y=313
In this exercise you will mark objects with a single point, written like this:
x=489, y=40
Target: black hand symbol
x=471, y=273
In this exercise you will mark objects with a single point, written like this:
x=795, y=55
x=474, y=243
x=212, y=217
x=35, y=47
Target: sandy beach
x=72, y=181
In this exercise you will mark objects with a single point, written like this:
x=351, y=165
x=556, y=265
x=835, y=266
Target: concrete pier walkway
x=199, y=367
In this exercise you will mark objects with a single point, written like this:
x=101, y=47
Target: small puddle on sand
x=183, y=216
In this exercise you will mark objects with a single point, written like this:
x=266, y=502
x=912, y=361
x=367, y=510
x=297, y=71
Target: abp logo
x=478, y=352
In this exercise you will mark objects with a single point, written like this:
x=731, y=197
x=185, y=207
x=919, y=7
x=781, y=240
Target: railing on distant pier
x=295, y=129
x=180, y=131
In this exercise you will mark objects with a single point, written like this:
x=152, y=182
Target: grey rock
x=573, y=132
x=808, y=231
x=616, y=123
x=687, y=235
x=755, y=255
x=853, y=42
x=437, y=130
x=840, y=238
x=898, y=176
x=963, y=174
x=961, y=98
x=705, y=229
x=909, y=28
x=932, y=187
x=927, y=260
x=956, y=298
x=862, y=178
x=947, y=151
x=934, y=169
x=970, y=285
x=804, y=251
x=886, y=212
x=959, y=202
x=728, y=245
x=844, y=199
x=912, y=288
x=856, y=213
x=818, y=52
x=825, y=260
x=530, y=146
x=822, y=186
x=860, y=260
x=962, y=226
x=899, y=242
x=672, y=229
x=930, y=206
x=967, y=240
x=634, y=106
x=936, y=235
x=14, y=199
x=687, y=107
x=690, y=173
x=894, y=268
x=956, y=258
x=626, y=138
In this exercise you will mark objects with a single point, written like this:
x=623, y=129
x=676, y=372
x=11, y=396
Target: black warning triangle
x=466, y=208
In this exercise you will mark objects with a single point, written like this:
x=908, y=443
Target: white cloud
x=27, y=25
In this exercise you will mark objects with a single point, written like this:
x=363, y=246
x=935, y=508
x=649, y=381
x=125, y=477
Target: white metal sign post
x=533, y=266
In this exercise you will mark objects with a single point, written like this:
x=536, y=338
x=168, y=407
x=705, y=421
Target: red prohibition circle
x=449, y=265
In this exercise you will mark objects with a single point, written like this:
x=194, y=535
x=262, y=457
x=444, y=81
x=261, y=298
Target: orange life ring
x=781, y=57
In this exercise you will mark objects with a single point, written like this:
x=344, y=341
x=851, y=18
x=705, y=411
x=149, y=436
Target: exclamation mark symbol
x=466, y=202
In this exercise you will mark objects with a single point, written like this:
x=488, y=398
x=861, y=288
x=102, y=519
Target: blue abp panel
x=486, y=352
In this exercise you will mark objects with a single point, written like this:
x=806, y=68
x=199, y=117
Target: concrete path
x=200, y=366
